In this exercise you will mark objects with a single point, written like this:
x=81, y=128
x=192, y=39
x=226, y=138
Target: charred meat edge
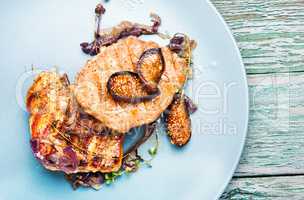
x=96, y=179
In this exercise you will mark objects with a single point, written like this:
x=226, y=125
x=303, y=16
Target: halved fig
x=150, y=68
x=127, y=87
x=178, y=122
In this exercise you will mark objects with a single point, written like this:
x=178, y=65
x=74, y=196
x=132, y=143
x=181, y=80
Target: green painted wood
x=270, y=37
x=269, y=33
x=270, y=188
x=276, y=127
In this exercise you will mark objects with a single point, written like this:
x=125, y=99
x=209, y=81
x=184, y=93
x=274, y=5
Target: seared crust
x=72, y=149
x=91, y=91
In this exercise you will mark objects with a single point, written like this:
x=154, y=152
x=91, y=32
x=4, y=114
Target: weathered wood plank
x=270, y=37
x=278, y=188
x=275, y=136
x=270, y=34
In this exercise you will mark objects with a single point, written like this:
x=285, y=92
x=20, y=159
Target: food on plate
x=190, y=105
x=94, y=180
x=130, y=84
x=131, y=163
x=61, y=146
x=178, y=121
x=91, y=84
x=127, y=87
x=150, y=68
x=148, y=132
x=109, y=36
x=180, y=43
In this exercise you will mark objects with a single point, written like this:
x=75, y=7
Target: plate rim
x=246, y=98
x=243, y=133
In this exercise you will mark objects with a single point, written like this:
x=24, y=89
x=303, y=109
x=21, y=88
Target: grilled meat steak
x=91, y=84
x=63, y=138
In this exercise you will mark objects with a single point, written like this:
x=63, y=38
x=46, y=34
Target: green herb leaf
x=119, y=173
x=153, y=151
x=108, y=182
x=107, y=176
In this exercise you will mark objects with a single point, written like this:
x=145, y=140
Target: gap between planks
x=275, y=134
x=268, y=175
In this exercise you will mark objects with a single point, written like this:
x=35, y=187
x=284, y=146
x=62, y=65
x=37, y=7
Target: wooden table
x=270, y=35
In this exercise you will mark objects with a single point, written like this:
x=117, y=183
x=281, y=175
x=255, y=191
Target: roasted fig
x=150, y=68
x=127, y=87
x=178, y=121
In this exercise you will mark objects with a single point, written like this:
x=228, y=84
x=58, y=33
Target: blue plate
x=44, y=34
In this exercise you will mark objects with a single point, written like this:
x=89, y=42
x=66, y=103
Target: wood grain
x=275, y=140
x=276, y=136
x=269, y=33
x=269, y=188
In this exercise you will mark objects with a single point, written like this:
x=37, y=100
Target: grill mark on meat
x=124, y=59
x=129, y=53
x=123, y=118
x=136, y=48
x=48, y=130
